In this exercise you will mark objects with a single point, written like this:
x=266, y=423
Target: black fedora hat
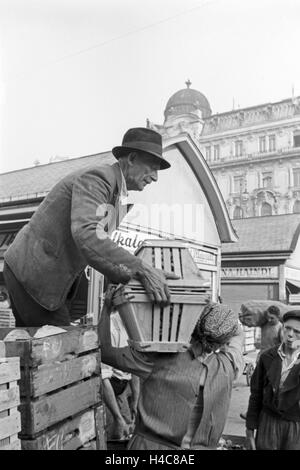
x=144, y=140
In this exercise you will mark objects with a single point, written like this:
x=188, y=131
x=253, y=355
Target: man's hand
x=250, y=441
x=155, y=283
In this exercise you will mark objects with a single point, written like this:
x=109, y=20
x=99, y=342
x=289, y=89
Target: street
x=235, y=425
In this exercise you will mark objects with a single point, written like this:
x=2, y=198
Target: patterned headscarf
x=216, y=325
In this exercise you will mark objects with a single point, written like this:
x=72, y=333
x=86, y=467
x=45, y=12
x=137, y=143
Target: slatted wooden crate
x=83, y=431
x=7, y=319
x=169, y=328
x=249, y=338
x=10, y=420
x=59, y=386
x=294, y=299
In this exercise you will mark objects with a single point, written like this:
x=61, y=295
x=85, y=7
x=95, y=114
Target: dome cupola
x=187, y=101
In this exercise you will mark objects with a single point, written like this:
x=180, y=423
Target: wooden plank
x=166, y=323
x=189, y=267
x=159, y=346
x=144, y=318
x=176, y=261
x=58, y=347
x=9, y=369
x=157, y=255
x=156, y=323
x=130, y=316
x=175, y=285
x=100, y=428
x=70, y=434
x=189, y=318
x=10, y=424
x=49, y=377
x=167, y=259
x=175, y=298
x=174, y=322
x=9, y=398
x=48, y=410
x=37, y=351
x=21, y=349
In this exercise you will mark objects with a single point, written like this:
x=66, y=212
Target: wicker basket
x=164, y=329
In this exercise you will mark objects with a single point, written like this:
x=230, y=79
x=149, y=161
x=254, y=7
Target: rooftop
x=265, y=234
x=38, y=180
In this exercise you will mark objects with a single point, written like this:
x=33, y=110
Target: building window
x=296, y=175
x=216, y=152
x=297, y=139
x=238, y=148
x=262, y=144
x=238, y=184
x=208, y=153
x=238, y=213
x=266, y=209
x=272, y=143
x=267, y=180
x=296, y=208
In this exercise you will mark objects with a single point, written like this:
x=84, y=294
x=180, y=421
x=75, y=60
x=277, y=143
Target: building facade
x=264, y=264
x=254, y=153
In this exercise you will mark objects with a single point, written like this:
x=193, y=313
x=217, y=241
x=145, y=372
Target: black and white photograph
x=150, y=228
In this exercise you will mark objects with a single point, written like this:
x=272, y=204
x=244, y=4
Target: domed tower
x=185, y=112
x=187, y=102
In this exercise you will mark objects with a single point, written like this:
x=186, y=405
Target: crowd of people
x=162, y=400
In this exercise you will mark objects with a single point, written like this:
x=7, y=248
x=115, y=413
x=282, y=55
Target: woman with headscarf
x=184, y=396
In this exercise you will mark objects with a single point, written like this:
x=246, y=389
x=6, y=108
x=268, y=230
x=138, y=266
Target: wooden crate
x=60, y=379
x=171, y=256
x=10, y=421
x=164, y=329
x=249, y=339
x=34, y=352
x=80, y=432
x=155, y=328
x=7, y=319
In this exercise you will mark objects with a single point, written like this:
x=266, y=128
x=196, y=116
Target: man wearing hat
x=184, y=396
x=274, y=403
x=71, y=229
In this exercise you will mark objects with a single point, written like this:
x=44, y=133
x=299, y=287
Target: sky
x=76, y=74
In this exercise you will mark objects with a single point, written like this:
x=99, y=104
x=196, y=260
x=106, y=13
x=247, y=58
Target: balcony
x=228, y=158
x=255, y=156
x=292, y=150
x=267, y=153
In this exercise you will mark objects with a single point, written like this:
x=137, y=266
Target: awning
x=293, y=283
